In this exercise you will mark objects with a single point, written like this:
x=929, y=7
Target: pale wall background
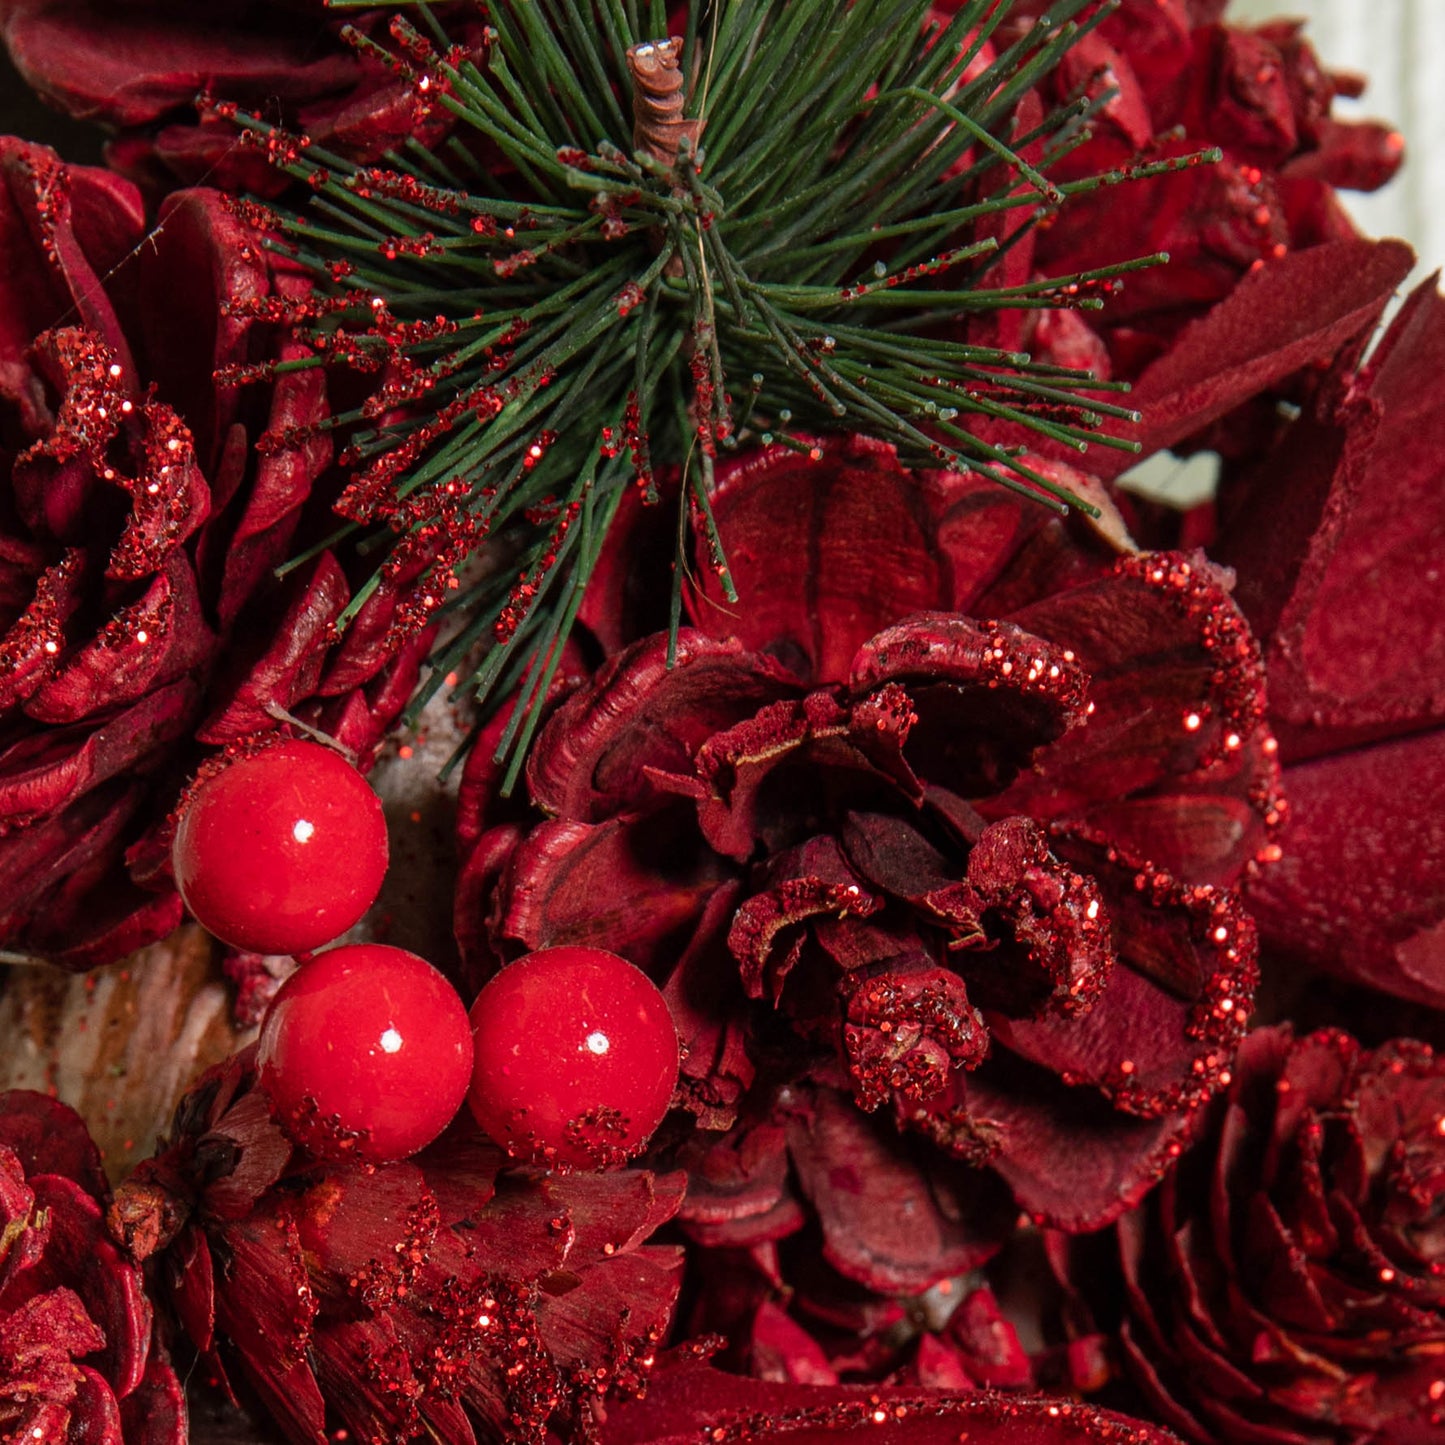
x=1399, y=45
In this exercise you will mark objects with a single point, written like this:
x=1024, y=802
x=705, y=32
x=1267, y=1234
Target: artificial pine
x=634, y=252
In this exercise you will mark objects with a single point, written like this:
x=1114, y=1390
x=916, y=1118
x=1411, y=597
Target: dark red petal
x=154, y=1413
x=989, y=1342
x=255, y=1153
x=35, y=641
x=284, y=662
x=882, y=1224
x=1298, y=309
x=1357, y=155
x=49, y=769
x=1068, y=1158
x=78, y=846
x=937, y=1365
x=708, y=1006
x=41, y=1336
x=94, y=1413
x=22, y=1236
x=360, y=720
x=688, y=1402
x=985, y=695
x=54, y=261
x=1161, y=1038
x=907, y=1024
x=737, y=1189
x=802, y=884
x=1175, y=763
x=130, y=69
x=366, y=1231
x=981, y=529
x=795, y=748
x=1360, y=889
x=1328, y=547
x=278, y=489
x=266, y=1310
x=612, y=1214
x=191, y=1278
x=1049, y=945
x=202, y=260
x=823, y=552
x=635, y=886
x=367, y=1378
x=1043, y=555
x=85, y=926
x=80, y=1254
x=160, y=637
x=512, y=1235
x=473, y=912
x=624, y=1308
x=49, y=1137
x=781, y=1350
x=599, y=751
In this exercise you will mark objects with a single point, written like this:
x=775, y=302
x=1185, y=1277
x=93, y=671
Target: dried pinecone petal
x=411, y=1297
x=77, y=1358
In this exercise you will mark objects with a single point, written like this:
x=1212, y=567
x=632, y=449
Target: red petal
x=781, y=1350
x=256, y=1151
x=882, y=1224
x=42, y=1335
x=266, y=1310
x=87, y=236
x=49, y=1137
x=985, y=695
x=990, y=1344
x=94, y=1414
x=287, y=664
x=22, y=1238
x=737, y=1189
x=1161, y=1038
x=160, y=637
x=688, y=1402
x=1048, y=947
x=34, y=642
x=366, y=1232
x=132, y=69
x=80, y=1254
x=598, y=752
x=1359, y=888
x=51, y=768
x=154, y=1413
x=823, y=553
x=1174, y=763
x=1298, y=309
x=1328, y=547
x=1069, y=1158
x=201, y=259
x=636, y=886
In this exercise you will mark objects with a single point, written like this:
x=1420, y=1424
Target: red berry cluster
x=569, y=1055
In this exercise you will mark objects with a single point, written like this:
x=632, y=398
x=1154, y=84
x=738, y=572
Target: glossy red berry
x=365, y=1051
x=282, y=850
x=574, y=1058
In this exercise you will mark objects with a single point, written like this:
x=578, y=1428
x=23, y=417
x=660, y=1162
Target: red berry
x=281, y=851
x=365, y=1050
x=575, y=1058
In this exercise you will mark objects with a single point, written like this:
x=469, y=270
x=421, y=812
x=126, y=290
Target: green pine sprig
x=553, y=315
